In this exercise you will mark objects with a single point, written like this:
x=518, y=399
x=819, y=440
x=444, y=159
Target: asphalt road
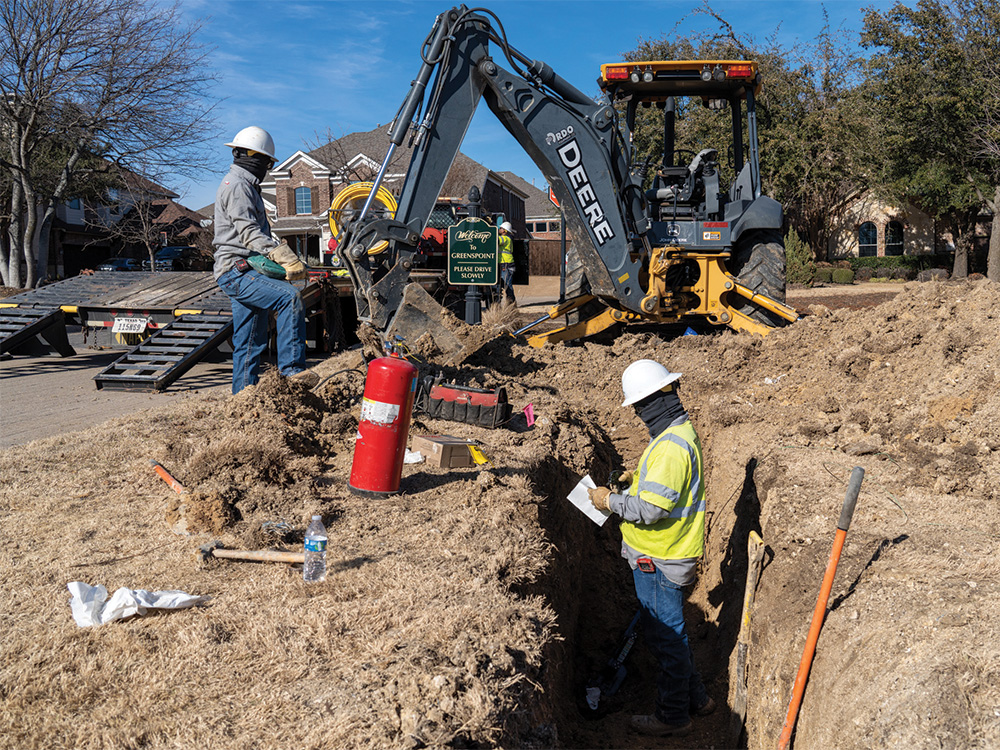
x=44, y=394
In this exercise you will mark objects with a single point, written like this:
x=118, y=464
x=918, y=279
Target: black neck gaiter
x=660, y=410
x=257, y=165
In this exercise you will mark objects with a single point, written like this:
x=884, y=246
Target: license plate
x=129, y=325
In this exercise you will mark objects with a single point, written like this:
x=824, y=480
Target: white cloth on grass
x=91, y=606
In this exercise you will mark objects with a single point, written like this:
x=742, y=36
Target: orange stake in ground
x=853, y=488
x=166, y=477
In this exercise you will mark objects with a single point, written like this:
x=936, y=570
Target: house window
x=73, y=204
x=867, y=240
x=894, y=238
x=303, y=200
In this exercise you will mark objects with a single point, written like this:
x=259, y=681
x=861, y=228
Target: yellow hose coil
x=349, y=202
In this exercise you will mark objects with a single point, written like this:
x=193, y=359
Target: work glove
x=599, y=498
x=294, y=268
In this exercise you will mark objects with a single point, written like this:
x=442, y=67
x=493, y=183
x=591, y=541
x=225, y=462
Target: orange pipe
x=819, y=613
x=165, y=476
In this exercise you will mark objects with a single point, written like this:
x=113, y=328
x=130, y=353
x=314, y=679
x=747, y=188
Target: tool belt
x=459, y=403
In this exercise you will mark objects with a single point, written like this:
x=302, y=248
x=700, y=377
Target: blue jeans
x=254, y=297
x=679, y=689
x=506, y=285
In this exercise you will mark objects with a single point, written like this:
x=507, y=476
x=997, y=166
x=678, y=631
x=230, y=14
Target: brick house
x=299, y=190
x=867, y=226
x=86, y=232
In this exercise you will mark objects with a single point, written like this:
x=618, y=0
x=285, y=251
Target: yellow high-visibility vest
x=506, y=248
x=670, y=476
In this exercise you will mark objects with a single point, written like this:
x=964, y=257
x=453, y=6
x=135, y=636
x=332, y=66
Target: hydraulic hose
x=355, y=192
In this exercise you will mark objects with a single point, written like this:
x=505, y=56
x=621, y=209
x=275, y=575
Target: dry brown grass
x=501, y=317
x=465, y=611
x=417, y=635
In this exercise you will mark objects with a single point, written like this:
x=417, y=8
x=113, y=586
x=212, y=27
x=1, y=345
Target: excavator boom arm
x=573, y=139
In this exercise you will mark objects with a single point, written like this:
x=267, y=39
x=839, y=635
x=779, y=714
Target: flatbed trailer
x=168, y=321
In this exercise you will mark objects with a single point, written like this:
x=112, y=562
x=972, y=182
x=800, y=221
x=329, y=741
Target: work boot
x=705, y=710
x=649, y=724
x=308, y=378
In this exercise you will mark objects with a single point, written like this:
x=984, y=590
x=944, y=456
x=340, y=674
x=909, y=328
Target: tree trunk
x=4, y=249
x=961, y=267
x=993, y=259
x=43, y=233
x=16, y=234
x=28, y=235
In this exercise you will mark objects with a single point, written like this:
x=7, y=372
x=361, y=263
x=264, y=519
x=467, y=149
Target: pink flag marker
x=529, y=414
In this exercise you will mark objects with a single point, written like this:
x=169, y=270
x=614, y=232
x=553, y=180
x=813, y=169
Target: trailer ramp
x=165, y=356
x=18, y=325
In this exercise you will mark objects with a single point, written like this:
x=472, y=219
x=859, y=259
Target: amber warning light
x=617, y=74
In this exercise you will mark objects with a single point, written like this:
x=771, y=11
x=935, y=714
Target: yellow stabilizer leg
x=555, y=311
x=767, y=303
x=588, y=327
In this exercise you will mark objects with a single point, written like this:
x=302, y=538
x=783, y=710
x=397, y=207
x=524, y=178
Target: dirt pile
x=470, y=610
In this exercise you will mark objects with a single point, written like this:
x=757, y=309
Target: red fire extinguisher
x=380, y=446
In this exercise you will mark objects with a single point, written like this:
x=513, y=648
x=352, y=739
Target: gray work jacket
x=241, y=224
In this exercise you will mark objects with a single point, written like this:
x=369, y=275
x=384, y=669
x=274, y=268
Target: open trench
x=590, y=587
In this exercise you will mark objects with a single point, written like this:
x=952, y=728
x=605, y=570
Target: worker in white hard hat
x=663, y=527
x=242, y=234
x=506, y=247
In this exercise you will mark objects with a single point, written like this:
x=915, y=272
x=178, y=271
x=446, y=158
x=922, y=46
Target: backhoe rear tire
x=758, y=263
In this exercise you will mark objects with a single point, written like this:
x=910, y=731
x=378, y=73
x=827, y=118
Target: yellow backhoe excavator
x=686, y=246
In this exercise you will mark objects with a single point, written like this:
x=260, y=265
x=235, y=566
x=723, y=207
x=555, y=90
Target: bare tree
x=132, y=218
x=123, y=80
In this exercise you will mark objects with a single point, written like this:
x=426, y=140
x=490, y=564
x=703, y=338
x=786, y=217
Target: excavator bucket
x=419, y=316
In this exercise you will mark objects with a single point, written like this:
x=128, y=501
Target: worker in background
x=662, y=527
x=242, y=229
x=506, y=246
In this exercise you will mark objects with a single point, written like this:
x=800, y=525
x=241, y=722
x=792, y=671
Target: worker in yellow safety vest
x=506, y=247
x=663, y=527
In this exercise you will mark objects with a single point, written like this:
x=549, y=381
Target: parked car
x=120, y=264
x=179, y=259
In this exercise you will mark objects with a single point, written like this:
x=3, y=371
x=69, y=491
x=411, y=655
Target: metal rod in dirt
x=846, y=513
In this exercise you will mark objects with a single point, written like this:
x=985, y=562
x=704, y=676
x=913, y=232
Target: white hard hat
x=645, y=377
x=254, y=139
x=507, y=227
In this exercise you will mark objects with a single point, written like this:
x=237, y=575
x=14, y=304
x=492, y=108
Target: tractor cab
x=686, y=185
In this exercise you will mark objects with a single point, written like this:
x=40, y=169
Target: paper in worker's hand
x=581, y=500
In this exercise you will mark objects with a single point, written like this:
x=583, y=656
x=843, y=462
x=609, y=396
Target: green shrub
x=915, y=262
x=823, y=275
x=843, y=276
x=798, y=260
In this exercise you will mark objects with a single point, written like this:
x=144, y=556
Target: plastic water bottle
x=314, y=569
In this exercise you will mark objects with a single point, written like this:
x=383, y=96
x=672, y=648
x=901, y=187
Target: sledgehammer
x=215, y=549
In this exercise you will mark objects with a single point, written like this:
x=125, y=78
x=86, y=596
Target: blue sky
x=303, y=69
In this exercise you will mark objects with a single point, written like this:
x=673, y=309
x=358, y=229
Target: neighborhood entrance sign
x=472, y=253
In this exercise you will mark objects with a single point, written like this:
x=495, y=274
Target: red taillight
x=739, y=71
x=616, y=74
